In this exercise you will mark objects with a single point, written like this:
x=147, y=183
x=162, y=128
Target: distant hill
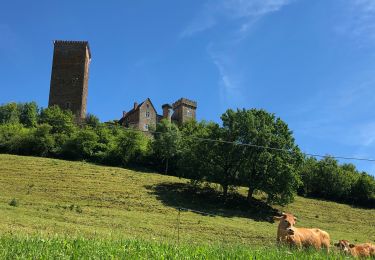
x=79, y=199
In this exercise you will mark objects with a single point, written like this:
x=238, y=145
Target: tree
x=106, y=142
x=205, y=159
x=129, y=148
x=222, y=154
x=28, y=114
x=62, y=121
x=11, y=136
x=9, y=113
x=272, y=171
x=81, y=145
x=92, y=120
x=308, y=173
x=223, y=159
x=165, y=145
x=363, y=190
x=192, y=151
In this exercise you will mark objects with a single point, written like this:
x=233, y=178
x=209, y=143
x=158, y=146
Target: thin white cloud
x=203, y=21
x=238, y=17
x=230, y=81
x=215, y=12
x=367, y=134
x=252, y=8
x=358, y=21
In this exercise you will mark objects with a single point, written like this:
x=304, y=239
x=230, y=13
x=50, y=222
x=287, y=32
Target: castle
x=69, y=88
x=144, y=116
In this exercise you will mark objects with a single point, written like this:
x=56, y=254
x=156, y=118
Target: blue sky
x=311, y=62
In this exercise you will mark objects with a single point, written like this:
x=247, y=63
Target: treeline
x=327, y=179
x=230, y=154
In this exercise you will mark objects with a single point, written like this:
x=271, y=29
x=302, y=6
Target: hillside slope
x=80, y=199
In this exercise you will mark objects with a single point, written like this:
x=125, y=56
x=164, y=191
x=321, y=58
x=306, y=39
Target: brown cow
x=361, y=250
x=300, y=237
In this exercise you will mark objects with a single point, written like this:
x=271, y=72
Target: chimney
x=135, y=105
x=123, y=113
x=167, y=111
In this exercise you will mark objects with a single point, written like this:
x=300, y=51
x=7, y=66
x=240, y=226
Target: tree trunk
x=225, y=191
x=166, y=166
x=250, y=193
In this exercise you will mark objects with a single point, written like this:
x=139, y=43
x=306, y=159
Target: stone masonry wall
x=69, y=77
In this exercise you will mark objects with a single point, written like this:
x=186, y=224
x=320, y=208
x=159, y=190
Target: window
x=147, y=111
x=145, y=127
x=189, y=113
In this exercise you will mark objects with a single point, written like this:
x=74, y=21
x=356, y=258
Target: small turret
x=167, y=113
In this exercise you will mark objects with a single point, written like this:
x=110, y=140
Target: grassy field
x=81, y=200
x=59, y=248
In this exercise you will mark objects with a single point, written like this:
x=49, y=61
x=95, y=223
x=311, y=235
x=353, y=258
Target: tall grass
x=12, y=247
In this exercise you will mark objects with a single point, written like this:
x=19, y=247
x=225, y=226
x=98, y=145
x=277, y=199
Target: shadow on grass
x=209, y=200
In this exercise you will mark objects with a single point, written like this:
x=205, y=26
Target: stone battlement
x=184, y=101
x=61, y=43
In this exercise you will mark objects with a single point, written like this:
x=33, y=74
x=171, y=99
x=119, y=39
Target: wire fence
x=259, y=146
x=354, y=158
x=181, y=209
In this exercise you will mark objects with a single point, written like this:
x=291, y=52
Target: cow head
x=286, y=222
x=344, y=245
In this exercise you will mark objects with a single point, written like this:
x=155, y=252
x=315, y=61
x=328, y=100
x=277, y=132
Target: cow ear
x=295, y=219
x=351, y=245
x=283, y=214
x=276, y=218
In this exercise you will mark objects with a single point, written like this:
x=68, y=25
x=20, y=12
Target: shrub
x=78, y=209
x=81, y=145
x=129, y=148
x=13, y=203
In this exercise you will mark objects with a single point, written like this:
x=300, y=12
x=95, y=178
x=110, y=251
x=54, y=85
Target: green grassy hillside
x=75, y=199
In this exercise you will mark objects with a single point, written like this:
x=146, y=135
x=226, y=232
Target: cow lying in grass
x=361, y=250
x=301, y=237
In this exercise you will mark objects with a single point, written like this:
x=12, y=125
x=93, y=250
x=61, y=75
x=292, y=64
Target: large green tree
x=233, y=154
x=272, y=170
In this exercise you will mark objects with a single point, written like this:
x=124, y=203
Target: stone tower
x=184, y=110
x=69, y=78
